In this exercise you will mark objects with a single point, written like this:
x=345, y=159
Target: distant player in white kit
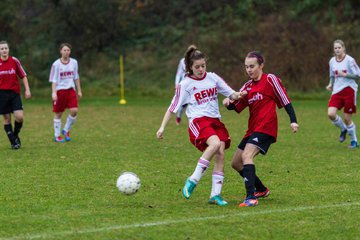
x=64, y=76
x=180, y=75
x=343, y=73
x=200, y=91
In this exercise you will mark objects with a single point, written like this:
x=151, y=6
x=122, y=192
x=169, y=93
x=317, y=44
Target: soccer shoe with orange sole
x=249, y=202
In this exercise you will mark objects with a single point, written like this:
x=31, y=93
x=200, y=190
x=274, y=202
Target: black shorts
x=261, y=140
x=9, y=102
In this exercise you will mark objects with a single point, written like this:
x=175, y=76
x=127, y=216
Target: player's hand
x=294, y=127
x=243, y=93
x=79, y=93
x=160, y=133
x=27, y=94
x=227, y=101
x=329, y=87
x=54, y=96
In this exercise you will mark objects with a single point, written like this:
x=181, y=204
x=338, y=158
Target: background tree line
x=295, y=37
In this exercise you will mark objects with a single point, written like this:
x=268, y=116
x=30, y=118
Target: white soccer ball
x=128, y=183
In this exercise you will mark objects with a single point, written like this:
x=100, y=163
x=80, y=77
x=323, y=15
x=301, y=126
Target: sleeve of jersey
x=331, y=74
x=178, y=99
x=76, y=71
x=53, y=74
x=223, y=87
x=355, y=68
x=282, y=98
x=19, y=69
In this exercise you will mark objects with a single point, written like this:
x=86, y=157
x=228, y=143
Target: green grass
x=67, y=191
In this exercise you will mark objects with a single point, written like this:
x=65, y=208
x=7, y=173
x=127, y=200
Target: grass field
x=67, y=191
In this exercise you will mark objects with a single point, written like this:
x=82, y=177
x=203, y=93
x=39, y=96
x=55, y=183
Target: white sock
x=69, y=122
x=351, y=129
x=57, y=127
x=217, y=183
x=200, y=169
x=339, y=123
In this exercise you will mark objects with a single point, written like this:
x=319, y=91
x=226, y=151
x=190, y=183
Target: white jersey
x=201, y=95
x=181, y=71
x=347, y=65
x=64, y=74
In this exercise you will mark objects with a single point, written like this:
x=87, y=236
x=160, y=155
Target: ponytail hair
x=256, y=54
x=192, y=54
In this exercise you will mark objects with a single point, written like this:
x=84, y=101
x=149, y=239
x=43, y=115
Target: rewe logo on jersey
x=206, y=95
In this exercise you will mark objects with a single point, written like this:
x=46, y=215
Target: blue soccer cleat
x=249, y=202
x=188, y=188
x=353, y=144
x=217, y=200
x=66, y=135
x=342, y=136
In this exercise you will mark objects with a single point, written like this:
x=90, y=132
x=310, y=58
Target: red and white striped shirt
x=262, y=98
x=10, y=70
x=201, y=95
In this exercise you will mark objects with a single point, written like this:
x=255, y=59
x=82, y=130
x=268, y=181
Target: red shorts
x=345, y=98
x=65, y=99
x=200, y=129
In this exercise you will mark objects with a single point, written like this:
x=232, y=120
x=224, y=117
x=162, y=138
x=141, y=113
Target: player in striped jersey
x=265, y=92
x=10, y=101
x=200, y=91
x=63, y=77
x=343, y=73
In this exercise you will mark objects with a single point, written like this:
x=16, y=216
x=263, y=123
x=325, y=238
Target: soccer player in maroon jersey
x=10, y=101
x=265, y=92
x=344, y=72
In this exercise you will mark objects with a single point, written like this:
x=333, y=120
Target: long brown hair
x=192, y=54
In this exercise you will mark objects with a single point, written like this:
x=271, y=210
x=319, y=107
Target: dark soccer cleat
x=178, y=121
x=262, y=194
x=342, y=136
x=353, y=144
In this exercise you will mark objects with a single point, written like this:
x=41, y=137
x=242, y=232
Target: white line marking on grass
x=169, y=222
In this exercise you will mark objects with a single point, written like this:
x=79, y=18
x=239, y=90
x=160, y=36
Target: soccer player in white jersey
x=343, y=73
x=10, y=101
x=63, y=77
x=180, y=75
x=200, y=91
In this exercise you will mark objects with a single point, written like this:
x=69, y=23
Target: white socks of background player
x=57, y=127
x=351, y=129
x=217, y=183
x=69, y=122
x=339, y=123
x=200, y=169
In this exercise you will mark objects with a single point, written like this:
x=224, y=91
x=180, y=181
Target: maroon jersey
x=262, y=98
x=10, y=70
